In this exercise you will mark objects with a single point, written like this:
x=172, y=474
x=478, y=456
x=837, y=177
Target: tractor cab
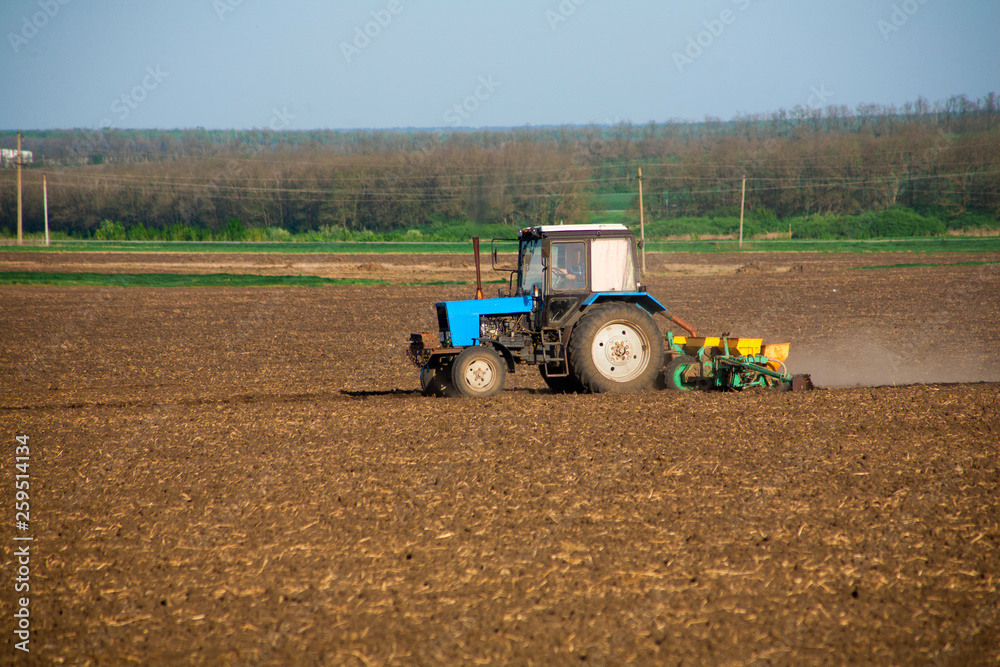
x=568, y=264
x=576, y=259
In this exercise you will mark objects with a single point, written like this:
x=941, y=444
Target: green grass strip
x=434, y=283
x=923, y=245
x=173, y=280
x=265, y=247
x=913, y=265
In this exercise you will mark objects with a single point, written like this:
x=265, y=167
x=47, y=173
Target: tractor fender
x=505, y=353
x=641, y=299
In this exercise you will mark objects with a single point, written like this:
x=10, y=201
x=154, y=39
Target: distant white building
x=8, y=157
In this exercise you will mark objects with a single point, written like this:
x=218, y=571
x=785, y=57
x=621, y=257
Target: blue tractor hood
x=463, y=316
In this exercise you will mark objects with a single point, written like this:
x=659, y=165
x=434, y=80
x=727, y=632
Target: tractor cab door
x=576, y=268
x=568, y=273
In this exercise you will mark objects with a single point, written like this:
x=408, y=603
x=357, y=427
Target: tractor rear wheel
x=478, y=372
x=682, y=374
x=616, y=347
x=436, y=381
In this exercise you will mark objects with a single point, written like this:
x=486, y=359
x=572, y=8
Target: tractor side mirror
x=495, y=255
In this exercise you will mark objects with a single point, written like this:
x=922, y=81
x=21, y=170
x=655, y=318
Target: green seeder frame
x=719, y=368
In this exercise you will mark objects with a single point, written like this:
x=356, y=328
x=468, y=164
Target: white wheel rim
x=620, y=351
x=480, y=374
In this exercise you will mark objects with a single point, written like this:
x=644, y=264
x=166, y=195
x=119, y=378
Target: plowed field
x=251, y=476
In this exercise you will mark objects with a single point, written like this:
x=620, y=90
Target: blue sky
x=308, y=64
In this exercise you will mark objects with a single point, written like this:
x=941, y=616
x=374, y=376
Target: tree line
x=941, y=159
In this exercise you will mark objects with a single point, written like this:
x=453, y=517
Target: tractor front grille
x=443, y=327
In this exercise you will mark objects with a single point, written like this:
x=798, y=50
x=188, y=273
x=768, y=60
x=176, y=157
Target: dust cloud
x=867, y=361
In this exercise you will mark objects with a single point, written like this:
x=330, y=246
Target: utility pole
x=19, y=214
x=45, y=205
x=743, y=201
x=642, y=226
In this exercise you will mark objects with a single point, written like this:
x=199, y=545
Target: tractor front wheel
x=616, y=347
x=478, y=372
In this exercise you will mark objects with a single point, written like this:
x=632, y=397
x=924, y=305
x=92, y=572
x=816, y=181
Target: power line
x=265, y=185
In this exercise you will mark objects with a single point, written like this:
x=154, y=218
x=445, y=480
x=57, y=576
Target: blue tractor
x=574, y=308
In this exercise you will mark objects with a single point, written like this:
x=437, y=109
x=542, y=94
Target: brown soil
x=251, y=476
x=457, y=267
x=394, y=267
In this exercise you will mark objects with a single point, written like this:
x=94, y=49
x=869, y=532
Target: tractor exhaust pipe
x=479, y=269
x=684, y=325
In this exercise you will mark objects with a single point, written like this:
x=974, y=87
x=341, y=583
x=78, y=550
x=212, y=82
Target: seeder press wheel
x=682, y=374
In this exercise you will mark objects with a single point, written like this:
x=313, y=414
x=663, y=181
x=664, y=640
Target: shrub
x=726, y=212
x=766, y=220
x=110, y=231
x=277, y=234
x=901, y=222
x=970, y=220
x=234, y=231
x=140, y=233
x=181, y=232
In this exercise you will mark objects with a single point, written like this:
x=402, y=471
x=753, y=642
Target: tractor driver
x=570, y=269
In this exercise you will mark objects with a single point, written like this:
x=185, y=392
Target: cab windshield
x=530, y=265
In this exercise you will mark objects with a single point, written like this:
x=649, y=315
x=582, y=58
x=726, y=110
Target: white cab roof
x=580, y=228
